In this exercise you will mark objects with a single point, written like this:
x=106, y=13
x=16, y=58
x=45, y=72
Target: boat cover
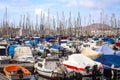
x=56, y=47
x=105, y=38
x=15, y=45
x=11, y=50
x=37, y=40
x=79, y=61
x=23, y=53
x=106, y=50
x=111, y=41
x=109, y=60
x=42, y=47
x=48, y=38
x=91, y=53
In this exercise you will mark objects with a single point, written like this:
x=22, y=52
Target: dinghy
x=16, y=72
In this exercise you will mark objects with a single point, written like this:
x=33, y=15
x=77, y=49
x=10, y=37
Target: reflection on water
x=33, y=78
x=38, y=78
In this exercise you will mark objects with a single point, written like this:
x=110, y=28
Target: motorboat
x=84, y=66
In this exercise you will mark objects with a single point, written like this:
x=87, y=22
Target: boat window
x=86, y=45
x=39, y=64
x=2, y=52
x=52, y=60
x=63, y=41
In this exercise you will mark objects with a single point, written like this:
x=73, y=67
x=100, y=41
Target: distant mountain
x=99, y=26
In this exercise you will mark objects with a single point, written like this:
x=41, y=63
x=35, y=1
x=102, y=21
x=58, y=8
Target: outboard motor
x=95, y=73
x=88, y=73
x=20, y=72
x=87, y=69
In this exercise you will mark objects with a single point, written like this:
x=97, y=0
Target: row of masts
x=47, y=25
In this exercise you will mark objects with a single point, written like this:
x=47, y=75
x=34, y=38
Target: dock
x=3, y=77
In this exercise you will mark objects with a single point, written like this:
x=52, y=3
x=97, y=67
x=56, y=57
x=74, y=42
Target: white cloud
x=90, y=4
x=85, y=3
x=3, y=5
x=39, y=11
x=19, y=0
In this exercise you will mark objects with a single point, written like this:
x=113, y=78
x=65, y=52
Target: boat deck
x=51, y=65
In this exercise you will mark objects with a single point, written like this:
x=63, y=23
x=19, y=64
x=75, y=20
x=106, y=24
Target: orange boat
x=16, y=72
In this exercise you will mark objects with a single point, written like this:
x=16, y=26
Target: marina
x=59, y=40
x=65, y=60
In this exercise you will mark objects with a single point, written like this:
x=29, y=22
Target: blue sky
x=16, y=8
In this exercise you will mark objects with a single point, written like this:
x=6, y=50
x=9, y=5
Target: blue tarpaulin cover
x=56, y=47
x=105, y=38
x=42, y=47
x=110, y=41
x=37, y=40
x=109, y=60
x=48, y=38
x=11, y=51
x=31, y=43
x=15, y=45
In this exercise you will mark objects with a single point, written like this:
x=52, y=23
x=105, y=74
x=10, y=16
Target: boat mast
x=113, y=22
x=23, y=25
x=79, y=27
x=20, y=26
x=118, y=27
x=102, y=23
x=89, y=31
x=5, y=23
x=48, y=22
x=54, y=26
x=58, y=31
x=29, y=25
x=1, y=31
x=42, y=26
x=36, y=25
x=115, y=26
x=69, y=25
x=107, y=28
x=26, y=25
x=75, y=26
x=63, y=23
x=83, y=30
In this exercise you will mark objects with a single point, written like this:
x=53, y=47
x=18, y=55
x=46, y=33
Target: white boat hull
x=47, y=73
